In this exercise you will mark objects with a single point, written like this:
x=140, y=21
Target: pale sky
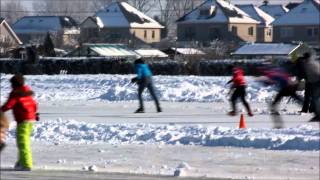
x=257, y=2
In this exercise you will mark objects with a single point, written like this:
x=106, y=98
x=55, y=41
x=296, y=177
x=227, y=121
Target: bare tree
x=143, y=5
x=98, y=4
x=12, y=10
x=76, y=9
x=181, y=7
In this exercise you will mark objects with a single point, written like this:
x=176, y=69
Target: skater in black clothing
x=144, y=80
x=287, y=88
x=239, y=86
x=308, y=105
x=311, y=67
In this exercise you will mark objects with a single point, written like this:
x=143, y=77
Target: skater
x=144, y=80
x=308, y=105
x=312, y=71
x=4, y=126
x=239, y=91
x=286, y=88
x=24, y=110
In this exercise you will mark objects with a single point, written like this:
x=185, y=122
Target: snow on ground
x=87, y=121
x=118, y=88
x=61, y=131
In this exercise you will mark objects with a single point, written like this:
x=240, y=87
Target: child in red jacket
x=239, y=86
x=24, y=110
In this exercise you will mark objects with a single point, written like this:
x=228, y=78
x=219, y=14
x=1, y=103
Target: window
x=234, y=29
x=286, y=32
x=269, y=32
x=214, y=33
x=145, y=34
x=153, y=34
x=312, y=31
x=250, y=31
x=189, y=33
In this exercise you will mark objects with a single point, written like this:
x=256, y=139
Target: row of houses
x=120, y=22
x=218, y=19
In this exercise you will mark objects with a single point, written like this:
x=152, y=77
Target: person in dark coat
x=239, y=87
x=312, y=71
x=144, y=80
x=308, y=105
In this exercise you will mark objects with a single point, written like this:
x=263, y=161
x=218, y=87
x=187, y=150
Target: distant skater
x=4, y=126
x=239, y=91
x=144, y=80
x=24, y=110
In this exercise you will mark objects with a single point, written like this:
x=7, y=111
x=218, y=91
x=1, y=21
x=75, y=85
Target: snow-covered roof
x=275, y=10
x=10, y=30
x=111, y=50
x=121, y=14
x=257, y=14
x=218, y=11
x=266, y=49
x=38, y=24
x=150, y=53
x=188, y=51
x=307, y=13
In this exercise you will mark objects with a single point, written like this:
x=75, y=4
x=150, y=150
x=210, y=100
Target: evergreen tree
x=48, y=47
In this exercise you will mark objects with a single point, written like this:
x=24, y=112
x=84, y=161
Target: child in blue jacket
x=144, y=80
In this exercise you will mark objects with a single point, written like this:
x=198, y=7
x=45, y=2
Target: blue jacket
x=142, y=71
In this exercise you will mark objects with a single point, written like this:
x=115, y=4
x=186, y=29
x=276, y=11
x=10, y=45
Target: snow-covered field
x=87, y=120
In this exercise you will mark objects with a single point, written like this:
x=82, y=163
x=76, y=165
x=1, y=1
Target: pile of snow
x=112, y=88
x=74, y=132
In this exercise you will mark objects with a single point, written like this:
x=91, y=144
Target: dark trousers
x=290, y=91
x=147, y=83
x=316, y=98
x=240, y=92
x=308, y=105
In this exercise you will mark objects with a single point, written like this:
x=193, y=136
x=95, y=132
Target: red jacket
x=238, y=77
x=23, y=105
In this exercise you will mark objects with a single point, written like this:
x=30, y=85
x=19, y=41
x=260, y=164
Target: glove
x=37, y=117
x=134, y=80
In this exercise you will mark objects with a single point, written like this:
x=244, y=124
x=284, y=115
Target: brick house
x=264, y=29
x=119, y=22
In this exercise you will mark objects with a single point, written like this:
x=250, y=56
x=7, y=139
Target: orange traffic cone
x=242, y=123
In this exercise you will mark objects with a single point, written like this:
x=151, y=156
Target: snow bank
x=118, y=88
x=75, y=132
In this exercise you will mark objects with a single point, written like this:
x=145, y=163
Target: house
x=8, y=38
x=151, y=53
x=275, y=10
x=292, y=5
x=33, y=29
x=117, y=51
x=216, y=19
x=300, y=24
x=264, y=29
x=259, y=50
x=184, y=53
x=119, y=22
